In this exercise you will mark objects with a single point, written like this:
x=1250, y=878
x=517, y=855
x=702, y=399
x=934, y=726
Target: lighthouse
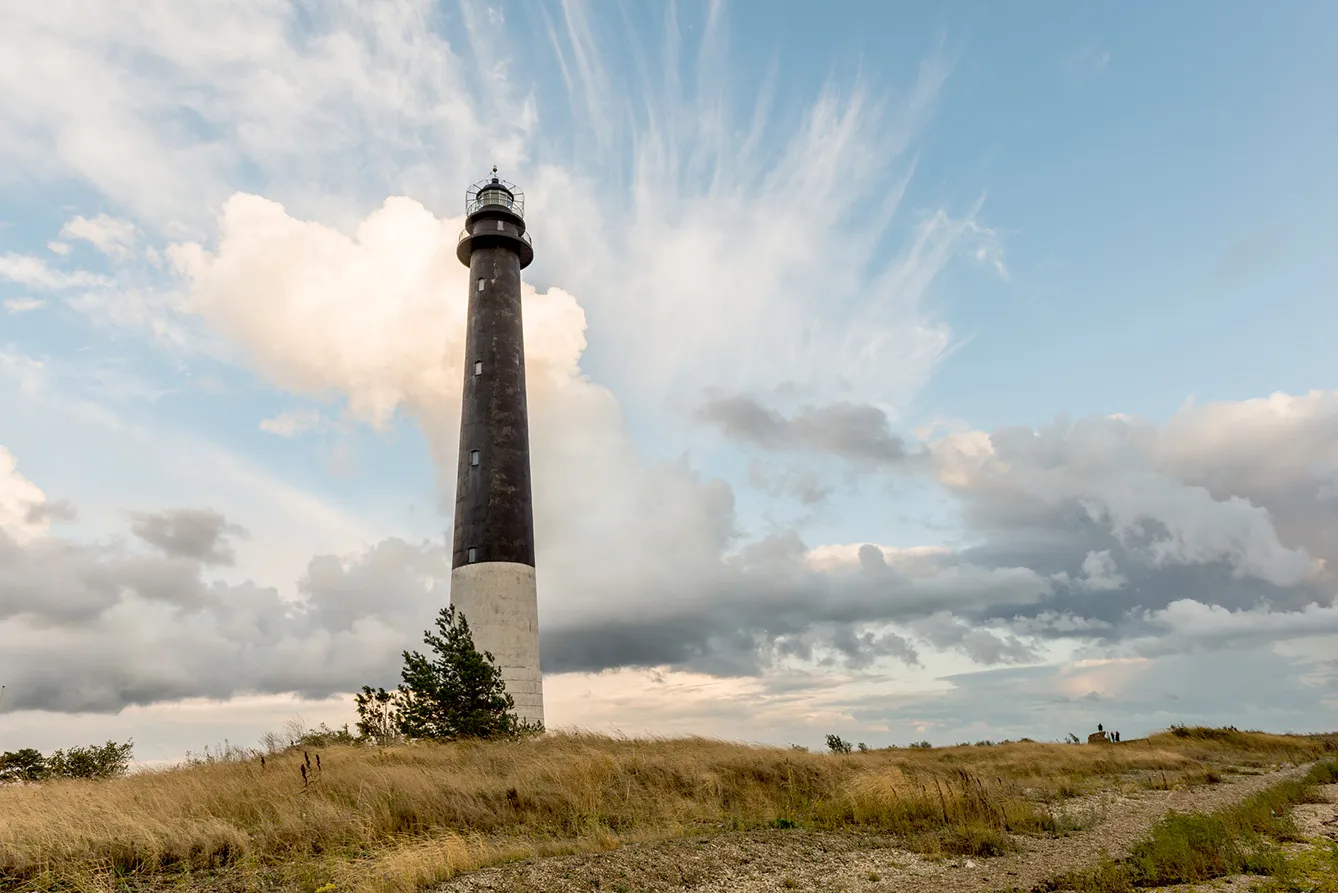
x=492, y=568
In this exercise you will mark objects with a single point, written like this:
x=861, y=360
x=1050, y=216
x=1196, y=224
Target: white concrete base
x=501, y=603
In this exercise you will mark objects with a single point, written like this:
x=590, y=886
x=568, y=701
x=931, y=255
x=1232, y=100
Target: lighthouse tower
x=492, y=570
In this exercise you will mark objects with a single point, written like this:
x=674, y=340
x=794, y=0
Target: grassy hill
x=398, y=819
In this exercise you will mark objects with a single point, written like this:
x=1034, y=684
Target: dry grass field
x=404, y=818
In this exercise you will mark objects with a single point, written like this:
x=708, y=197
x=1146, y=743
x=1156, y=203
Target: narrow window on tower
x=478, y=367
x=499, y=225
x=474, y=457
x=480, y=285
x=473, y=554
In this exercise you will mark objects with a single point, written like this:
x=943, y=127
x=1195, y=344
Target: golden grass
x=1051, y=772
x=402, y=818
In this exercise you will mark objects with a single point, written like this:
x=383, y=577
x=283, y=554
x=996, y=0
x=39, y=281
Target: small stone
x=970, y=864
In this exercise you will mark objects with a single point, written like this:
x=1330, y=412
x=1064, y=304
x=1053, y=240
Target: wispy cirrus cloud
x=35, y=272
x=290, y=424
x=23, y=305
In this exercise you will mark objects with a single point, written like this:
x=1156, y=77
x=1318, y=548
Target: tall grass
x=410, y=815
x=561, y=788
x=1176, y=757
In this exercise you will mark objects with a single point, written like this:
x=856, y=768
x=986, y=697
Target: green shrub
x=111, y=760
x=27, y=764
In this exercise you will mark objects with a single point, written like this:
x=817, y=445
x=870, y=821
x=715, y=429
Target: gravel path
x=1318, y=822
x=851, y=863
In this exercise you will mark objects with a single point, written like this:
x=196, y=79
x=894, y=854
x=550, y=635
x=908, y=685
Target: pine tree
x=458, y=693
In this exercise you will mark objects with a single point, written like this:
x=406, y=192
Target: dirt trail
x=852, y=863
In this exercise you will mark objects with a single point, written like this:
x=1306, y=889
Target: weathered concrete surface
x=500, y=601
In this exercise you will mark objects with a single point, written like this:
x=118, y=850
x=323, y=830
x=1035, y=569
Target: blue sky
x=1165, y=198
x=1002, y=292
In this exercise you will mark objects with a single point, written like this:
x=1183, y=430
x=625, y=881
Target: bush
x=837, y=744
x=27, y=764
x=324, y=736
x=1322, y=773
x=111, y=760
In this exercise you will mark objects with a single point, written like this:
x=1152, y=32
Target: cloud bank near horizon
x=1059, y=564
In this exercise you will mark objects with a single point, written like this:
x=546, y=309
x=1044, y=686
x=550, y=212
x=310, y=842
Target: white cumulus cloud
x=290, y=424
x=23, y=505
x=37, y=273
x=112, y=236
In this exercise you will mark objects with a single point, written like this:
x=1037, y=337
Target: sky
x=906, y=374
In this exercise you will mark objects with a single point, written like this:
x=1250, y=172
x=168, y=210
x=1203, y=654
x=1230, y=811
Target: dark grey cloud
x=791, y=481
x=196, y=534
x=984, y=646
x=53, y=510
x=55, y=583
x=857, y=432
x=859, y=650
x=766, y=603
x=1079, y=530
x=94, y=628
x=1065, y=545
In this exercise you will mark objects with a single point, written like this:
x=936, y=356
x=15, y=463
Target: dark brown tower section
x=494, y=517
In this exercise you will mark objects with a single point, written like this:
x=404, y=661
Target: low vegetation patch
x=403, y=817
x=475, y=802
x=1313, y=869
x=1190, y=848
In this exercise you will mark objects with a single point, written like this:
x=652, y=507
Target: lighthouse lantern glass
x=494, y=195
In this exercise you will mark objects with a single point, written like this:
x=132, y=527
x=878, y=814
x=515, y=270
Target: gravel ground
x=852, y=863
x=1319, y=820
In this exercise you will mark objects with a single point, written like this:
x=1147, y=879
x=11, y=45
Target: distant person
x=1117, y=737
x=1098, y=727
